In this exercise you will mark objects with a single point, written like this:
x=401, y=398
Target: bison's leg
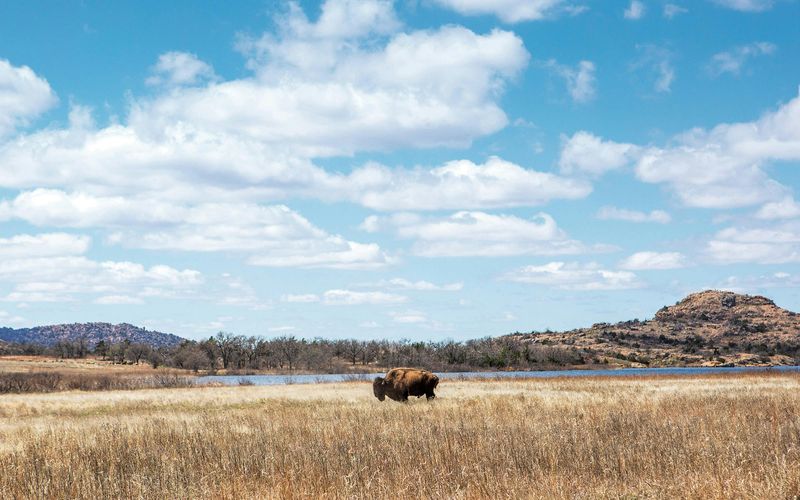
x=430, y=396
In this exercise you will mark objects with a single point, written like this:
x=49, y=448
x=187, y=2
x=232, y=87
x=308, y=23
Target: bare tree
x=352, y=350
x=136, y=351
x=288, y=350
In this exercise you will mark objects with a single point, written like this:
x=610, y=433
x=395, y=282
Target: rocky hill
x=705, y=329
x=92, y=333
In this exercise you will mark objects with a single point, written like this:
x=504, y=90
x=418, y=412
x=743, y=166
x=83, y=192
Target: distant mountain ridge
x=92, y=333
x=706, y=328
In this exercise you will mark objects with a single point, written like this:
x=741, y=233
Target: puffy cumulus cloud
x=479, y=234
x=339, y=20
x=456, y=184
x=580, y=80
x=787, y=208
x=641, y=261
x=43, y=245
x=23, y=96
x=733, y=61
x=574, y=276
x=272, y=235
x=416, y=89
x=614, y=213
x=351, y=298
x=52, y=268
x=318, y=89
x=724, y=167
x=333, y=252
x=776, y=244
x=180, y=68
x=589, y=154
x=513, y=11
x=746, y=5
x=635, y=10
x=52, y=207
x=460, y=184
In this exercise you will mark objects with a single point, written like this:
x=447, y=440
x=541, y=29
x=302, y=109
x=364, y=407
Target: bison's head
x=378, y=388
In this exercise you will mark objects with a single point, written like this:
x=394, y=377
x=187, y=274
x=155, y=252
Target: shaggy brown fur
x=400, y=383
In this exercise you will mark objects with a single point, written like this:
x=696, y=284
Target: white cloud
x=635, y=10
x=724, y=167
x=614, y=213
x=776, y=244
x=512, y=11
x=655, y=65
x=587, y=153
x=508, y=316
x=351, y=298
x=427, y=286
x=787, y=208
x=461, y=184
x=409, y=317
x=746, y=5
x=733, y=60
x=479, y=234
x=273, y=236
x=118, y=300
x=52, y=268
x=23, y=96
x=317, y=90
x=574, y=276
x=339, y=97
x=751, y=284
x=345, y=19
x=306, y=298
x=180, y=68
x=671, y=10
x=285, y=328
x=52, y=207
x=26, y=246
x=580, y=80
x=7, y=318
x=653, y=260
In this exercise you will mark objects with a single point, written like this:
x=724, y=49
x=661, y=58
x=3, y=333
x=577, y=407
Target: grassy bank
x=56, y=381
x=710, y=437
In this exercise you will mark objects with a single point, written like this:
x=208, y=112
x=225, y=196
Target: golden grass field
x=735, y=436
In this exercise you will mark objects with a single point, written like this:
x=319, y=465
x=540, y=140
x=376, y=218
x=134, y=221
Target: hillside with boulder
x=709, y=328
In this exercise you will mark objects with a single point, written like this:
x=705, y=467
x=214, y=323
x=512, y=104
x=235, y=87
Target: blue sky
x=413, y=169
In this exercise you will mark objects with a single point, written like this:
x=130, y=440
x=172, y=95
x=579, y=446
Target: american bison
x=400, y=383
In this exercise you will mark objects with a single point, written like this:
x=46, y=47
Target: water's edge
x=348, y=377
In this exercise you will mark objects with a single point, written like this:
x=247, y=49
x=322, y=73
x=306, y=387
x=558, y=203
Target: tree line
x=239, y=353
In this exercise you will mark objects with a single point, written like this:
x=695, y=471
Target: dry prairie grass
x=702, y=437
x=22, y=363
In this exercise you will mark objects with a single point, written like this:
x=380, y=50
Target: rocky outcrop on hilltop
x=706, y=328
x=91, y=333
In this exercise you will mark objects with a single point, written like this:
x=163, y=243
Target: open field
x=709, y=437
x=12, y=363
x=32, y=374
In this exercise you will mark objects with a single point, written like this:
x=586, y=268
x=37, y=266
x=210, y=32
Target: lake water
x=622, y=372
